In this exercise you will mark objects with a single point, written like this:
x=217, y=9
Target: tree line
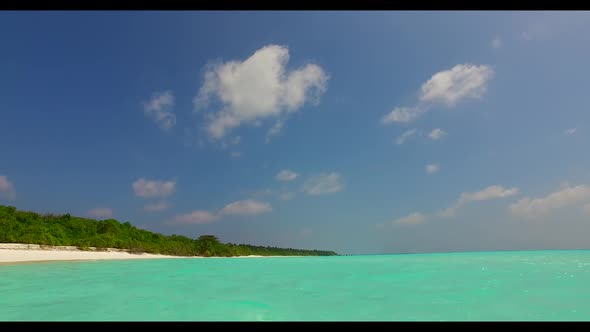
x=66, y=230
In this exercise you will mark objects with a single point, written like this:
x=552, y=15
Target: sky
x=359, y=132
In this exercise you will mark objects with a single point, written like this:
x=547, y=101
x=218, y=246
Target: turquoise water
x=537, y=285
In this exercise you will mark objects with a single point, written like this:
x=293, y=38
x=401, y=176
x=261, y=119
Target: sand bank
x=21, y=253
x=18, y=253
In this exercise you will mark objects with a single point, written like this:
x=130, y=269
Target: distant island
x=66, y=230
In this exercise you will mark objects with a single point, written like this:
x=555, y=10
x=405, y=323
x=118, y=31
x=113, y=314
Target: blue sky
x=360, y=132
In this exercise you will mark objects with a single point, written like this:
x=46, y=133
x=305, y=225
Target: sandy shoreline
x=31, y=253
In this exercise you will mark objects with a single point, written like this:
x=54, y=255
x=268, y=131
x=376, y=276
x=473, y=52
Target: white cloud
x=570, y=131
x=538, y=207
x=286, y=175
x=325, y=183
x=401, y=115
x=156, y=207
x=246, y=207
x=159, y=108
x=460, y=82
x=405, y=136
x=437, y=134
x=6, y=188
x=448, y=212
x=274, y=130
x=447, y=87
x=240, y=208
x=102, y=213
x=153, y=188
x=257, y=88
x=197, y=217
x=491, y=192
x=432, y=168
x=412, y=219
x=496, y=42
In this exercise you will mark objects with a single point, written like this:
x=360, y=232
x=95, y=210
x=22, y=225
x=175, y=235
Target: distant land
x=66, y=230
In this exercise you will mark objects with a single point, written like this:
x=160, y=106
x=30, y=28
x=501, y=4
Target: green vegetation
x=65, y=230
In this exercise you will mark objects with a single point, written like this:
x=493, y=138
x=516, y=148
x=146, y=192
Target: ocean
x=475, y=286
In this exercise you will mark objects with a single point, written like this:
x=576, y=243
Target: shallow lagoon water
x=533, y=285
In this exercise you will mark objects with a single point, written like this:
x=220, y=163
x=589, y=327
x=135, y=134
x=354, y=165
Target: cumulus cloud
x=325, y=183
x=491, y=192
x=538, y=207
x=160, y=109
x=437, y=134
x=258, y=88
x=570, y=131
x=245, y=208
x=460, y=82
x=156, y=207
x=153, y=188
x=405, y=136
x=6, y=188
x=412, y=219
x=197, y=217
x=447, y=87
x=432, y=168
x=286, y=175
x=101, y=213
x=240, y=208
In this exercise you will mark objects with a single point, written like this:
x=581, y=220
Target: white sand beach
x=22, y=253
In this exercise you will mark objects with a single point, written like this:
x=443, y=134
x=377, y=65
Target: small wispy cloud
x=570, y=131
x=287, y=196
x=160, y=109
x=153, y=188
x=491, y=192
x=411, y=219
x=286, y=175
x=437, y=134
x=432, y=168
x=156, y=207
x=322, y=184
x=197, y=217
x=405, y=136
x=568, y=195
x=245, y=208
x=496, y=42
